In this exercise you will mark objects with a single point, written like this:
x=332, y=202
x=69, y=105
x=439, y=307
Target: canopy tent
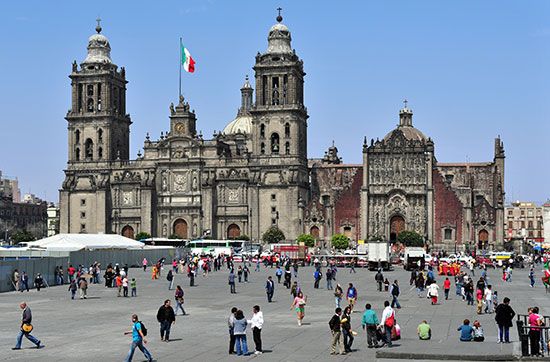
x=73, y=242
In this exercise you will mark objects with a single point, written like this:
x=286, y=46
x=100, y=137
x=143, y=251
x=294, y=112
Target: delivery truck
x=379, y=255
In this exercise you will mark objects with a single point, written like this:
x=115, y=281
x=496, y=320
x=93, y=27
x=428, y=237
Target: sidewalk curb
x=445, y=357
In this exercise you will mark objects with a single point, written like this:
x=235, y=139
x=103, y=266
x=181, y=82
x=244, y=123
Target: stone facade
x=255, y=173
x=525, y=221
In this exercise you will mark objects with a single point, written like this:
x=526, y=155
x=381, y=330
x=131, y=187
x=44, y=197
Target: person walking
x=269, y=289
x=118, y=281
x=317, y=275
x=488, y=296
x=240, y=274
x=352, y=266
x=246, y=272
x=433, y=292
x=395, y=294
x=83, y=288
x=387, y=323
x=504, y=315
x=279, y=274
x=379, y=278
x=535, y=321
x=370, y=324
x=446, y=287
x=170, y=278
x=335, y=325
x=133, y=286
x=231, y=327
x=73, y=288
x=239, y=330
x=532, y=277
x=351, y=294
x=166, y=317
x=26, y=328
x=38, y=282
x=138, y=333
x=347, y=332
x=338, y=294
x=144, y=263
x=178, y=296
x=257, y=323
x=24, y=282
x=299, y=303
x=329, y=278
x=231, y=280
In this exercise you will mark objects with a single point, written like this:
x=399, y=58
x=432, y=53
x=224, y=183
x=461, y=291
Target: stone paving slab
x=92, y=329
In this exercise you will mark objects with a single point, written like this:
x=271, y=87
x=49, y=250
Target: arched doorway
x=314, y=231
x=482, y=239
x=397, y=225
x=180, y=228
x=128, y=231
x=233, y=231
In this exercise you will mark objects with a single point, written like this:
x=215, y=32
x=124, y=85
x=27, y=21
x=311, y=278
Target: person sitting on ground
x=478, y=332
x=424, y=331
x=466, y=331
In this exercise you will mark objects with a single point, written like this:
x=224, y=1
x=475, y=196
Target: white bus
x=216, y=247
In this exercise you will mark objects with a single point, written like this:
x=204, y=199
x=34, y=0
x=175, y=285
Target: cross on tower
x=98, y=27
x=279, y=17
x=405, y=102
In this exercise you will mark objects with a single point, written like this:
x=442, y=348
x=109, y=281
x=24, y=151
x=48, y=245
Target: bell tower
x=99, y=128
x=280, y=117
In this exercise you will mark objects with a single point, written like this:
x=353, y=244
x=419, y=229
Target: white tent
x=73, y=242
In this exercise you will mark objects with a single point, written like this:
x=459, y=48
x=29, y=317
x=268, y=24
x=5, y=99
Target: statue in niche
x=194, y=183
x=164, y=230
x=195, y=229
x=164, y=182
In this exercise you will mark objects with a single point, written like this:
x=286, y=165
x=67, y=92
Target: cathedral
x=255, y=174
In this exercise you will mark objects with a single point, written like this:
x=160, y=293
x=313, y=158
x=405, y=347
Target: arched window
x=287, y=148
x=90, y=106
x=77, y=154
x=100, y=135
x=77, y=136
x=275, y=143
x=90, y=90
x=262, y=130
x=262, y=148
x=89, y=149
x=287, y=130
x=100, y=152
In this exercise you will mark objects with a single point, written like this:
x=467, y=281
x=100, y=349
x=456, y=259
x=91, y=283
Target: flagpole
x=180, y=65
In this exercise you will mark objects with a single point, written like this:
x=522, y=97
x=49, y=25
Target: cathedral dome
x=241, y=124
x=406, y=127
x=279, y=38
x=99, y=49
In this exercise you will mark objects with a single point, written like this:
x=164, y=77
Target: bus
x=216, y=247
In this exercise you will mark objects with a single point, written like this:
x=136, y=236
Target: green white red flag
x=187, y=61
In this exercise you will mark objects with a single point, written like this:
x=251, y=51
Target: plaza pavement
x=92, y=329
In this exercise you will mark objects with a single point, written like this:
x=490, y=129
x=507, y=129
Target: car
x=350, y=252
x=484, y=261
x=428, y=258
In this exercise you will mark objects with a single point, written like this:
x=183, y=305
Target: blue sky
x=470, y=69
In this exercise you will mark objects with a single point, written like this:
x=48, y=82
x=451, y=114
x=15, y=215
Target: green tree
x=376, y=238
x=242, y=237
x=307, y=239
x=273, y=235
x=410, y=238
x=340, y=241
x=22, y=236
x=142, y=235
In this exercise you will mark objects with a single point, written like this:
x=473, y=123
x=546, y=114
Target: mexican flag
x=186, y=60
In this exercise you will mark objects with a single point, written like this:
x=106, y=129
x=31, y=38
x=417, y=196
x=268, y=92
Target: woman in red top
x=447, y=287
x=535, y=321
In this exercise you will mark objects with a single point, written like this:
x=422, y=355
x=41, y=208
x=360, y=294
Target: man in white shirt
x=257, y=322
x=387, y=323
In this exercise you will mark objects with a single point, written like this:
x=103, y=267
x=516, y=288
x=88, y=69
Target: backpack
x=143, y=329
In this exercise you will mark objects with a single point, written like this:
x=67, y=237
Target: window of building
x=273, y=221
x=262, y=130
x=287, y=148
x=90, y=106
x=79, y=98
x=523, y=224
x=100, y=152
x=89, y=149
x=287, y=130
x=262, y=148
x=77, y=136
x=449, y=178
x=448, y=234
x=90, y=90
x=530, y=213
x=273, y=209
x=531, y=234
x=275, y=91
x=100, y=135
x=77, y=154
x=510, y=224
x=82, y=202
x=530, y=224
x=82, y=214
x=273, y=197
x=82, y=228
x=275, y=143
x=510, y=212
x=522, y=212
x=264, y=90
x=285, y=87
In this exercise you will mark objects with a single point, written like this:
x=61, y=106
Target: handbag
x=27, y=328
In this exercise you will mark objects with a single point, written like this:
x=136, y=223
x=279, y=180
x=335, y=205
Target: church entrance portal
x=128, y=231
x=180, y=228
x=397, y=225
x=233, y=231
x=483, y=240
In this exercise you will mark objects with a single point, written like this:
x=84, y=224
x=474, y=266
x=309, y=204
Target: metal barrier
x=526, y=337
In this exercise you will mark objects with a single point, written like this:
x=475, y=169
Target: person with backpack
x=178, y=296
x=166, y=317
x=317, y=275
x=387, y=323
x=138, y=332
x=395, y=295
x=170, y=278
x=351, y=295
x=336, y=330
x=73, y=288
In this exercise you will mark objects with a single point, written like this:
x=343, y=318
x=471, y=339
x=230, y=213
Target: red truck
x=294, y=252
